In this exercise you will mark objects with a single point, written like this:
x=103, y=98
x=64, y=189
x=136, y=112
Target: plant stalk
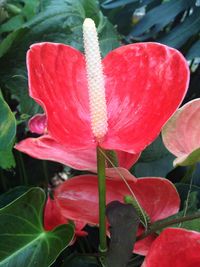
x=159, y=225
x=102, y=202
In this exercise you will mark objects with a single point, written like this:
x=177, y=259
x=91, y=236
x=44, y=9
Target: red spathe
x=174, y=247
x=144, y=83
x=77, y=199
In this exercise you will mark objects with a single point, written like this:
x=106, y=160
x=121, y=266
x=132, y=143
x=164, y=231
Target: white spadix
x=95, y=79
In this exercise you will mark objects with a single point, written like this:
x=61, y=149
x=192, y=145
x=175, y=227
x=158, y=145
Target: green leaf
x=107, y=40
x=157, y=168
x=7, y=160
x=12, y=194
x=12, y=24
x=180, y=34
x=154, y=151
x=194, y=51
x=160, y=16
x=30, y=8
x=109, y=4
x=6, y=44
x=7, y=125
x=155, y=160
x=24, y=242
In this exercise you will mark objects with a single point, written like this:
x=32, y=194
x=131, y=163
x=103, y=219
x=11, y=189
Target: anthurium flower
x=53, y=217
x=84, y=159
x=45, y=147
x=181, y=134
x=77, y=199
x=37, y=124
x=119, y=103
x=174, y=247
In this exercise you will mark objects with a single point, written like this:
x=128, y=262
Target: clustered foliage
x=23, y=22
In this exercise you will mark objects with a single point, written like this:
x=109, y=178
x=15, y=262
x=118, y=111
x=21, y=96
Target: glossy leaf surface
x=24, y=242
x=7, y=124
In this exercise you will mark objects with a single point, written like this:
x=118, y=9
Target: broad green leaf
x=24, y=242
x=154, y=151
x=7, y=125
x=7, y=160
x=12, y=194
x=160, y=16
x=12, y=24
x=6, y=44
x=155, y=160
x=109, y=4
x=30, y=8
x=194, y=51
x=107, y=40
x=180, y=34
x=157, y=168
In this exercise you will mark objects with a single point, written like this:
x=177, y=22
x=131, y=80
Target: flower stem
x=102, y=201
x=159, y=225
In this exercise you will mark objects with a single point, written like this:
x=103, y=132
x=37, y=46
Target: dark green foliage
x=25, y=242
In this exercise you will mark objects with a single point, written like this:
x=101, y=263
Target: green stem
x=111, y=154
x=128, y=186
x=159, y=225
x=102, y=201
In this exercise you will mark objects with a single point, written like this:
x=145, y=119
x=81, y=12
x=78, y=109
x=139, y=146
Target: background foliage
x=24, y=22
